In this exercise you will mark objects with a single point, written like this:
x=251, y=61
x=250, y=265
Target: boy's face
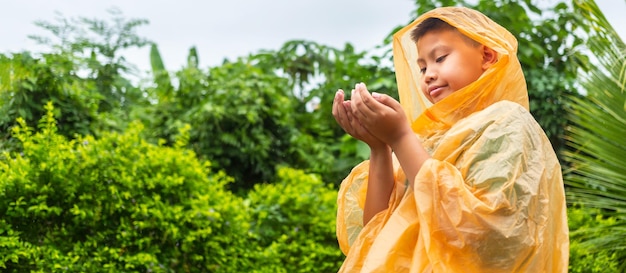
x=448, y=62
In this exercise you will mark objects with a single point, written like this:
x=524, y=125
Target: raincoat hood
x=502, y=81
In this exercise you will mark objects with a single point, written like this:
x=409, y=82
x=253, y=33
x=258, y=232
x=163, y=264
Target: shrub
x=293, y=221
x=116, y=204
x=583, y=258
x=243, y=124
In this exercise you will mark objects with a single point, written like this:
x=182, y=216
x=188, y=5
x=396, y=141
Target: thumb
x=386, y=100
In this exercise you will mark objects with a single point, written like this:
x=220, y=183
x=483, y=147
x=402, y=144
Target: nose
x=429, y=76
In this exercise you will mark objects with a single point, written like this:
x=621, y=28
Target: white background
x=231, y=28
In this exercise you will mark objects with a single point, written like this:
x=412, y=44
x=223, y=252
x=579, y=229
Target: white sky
x=231, y=28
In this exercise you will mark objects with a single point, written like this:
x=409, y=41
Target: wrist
x=403, y=140
x=380, y=149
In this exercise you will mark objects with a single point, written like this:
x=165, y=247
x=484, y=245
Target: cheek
x=423, y=89
x=460, y=76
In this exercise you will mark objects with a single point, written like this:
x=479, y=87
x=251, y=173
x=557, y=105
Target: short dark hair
x=428, y=25
x=436, y=24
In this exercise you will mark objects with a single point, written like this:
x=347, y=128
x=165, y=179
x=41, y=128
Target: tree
x=315, y=72
x=95, y=48
x=27, y=83
x=596, y=178
x=243, y=124
x=275, y=112
x=84, y=75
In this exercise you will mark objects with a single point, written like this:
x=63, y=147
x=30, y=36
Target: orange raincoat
x=490, y=199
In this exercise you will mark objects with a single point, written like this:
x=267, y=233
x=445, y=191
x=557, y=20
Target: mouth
x=434, y=91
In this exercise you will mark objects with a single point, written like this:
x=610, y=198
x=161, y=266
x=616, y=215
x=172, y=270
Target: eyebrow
x=432, y=52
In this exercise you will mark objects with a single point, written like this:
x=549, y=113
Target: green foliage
x=583, y=257
x=315, y=72
x=596, y=177
x=243, y=124
x=84, y=76
x=95, y=47
x=161, y=75
x=115, y=204
x=293, y=220
x=27, y=83
x=275, y=112
x=120, y=204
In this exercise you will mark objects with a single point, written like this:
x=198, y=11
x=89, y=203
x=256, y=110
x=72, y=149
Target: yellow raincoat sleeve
x=353, y=191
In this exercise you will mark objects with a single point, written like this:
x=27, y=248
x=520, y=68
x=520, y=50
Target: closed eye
x=422, y=70
x=441, y=59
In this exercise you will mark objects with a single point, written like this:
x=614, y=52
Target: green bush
x=293, y=221
x=115, y=204
x=583, y=257
x=242, y=124
x=27, y=83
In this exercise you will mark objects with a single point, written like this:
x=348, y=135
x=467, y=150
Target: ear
x=490, y=57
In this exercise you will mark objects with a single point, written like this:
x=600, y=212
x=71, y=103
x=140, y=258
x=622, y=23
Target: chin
x=429, y=98
x=436, y=99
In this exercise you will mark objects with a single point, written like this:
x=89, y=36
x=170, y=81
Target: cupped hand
x=343, y=113
x=380, y=115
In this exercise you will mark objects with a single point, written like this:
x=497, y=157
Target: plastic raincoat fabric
x=490, y=199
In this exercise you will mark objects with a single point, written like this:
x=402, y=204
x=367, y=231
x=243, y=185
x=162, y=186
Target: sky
x=229, y=29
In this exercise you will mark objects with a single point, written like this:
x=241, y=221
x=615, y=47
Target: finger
x=367, y=109
x=355, y=102
x=355, y=126
x=357, y=129
x=339, y=111
x=336, y=100
x=359, y=109
x=337, y=105
x=349, y=106
x=370, y=104
x=387, y=101
x=350, y=119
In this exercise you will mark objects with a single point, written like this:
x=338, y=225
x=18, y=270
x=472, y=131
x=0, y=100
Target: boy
x=461, y=178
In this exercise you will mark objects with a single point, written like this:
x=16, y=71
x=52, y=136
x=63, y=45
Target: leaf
x=596, y=175
x=362, y=150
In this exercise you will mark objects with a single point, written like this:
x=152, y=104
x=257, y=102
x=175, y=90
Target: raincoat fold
x=491, y=197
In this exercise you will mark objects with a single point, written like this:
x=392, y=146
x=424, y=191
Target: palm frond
x=596, y=173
